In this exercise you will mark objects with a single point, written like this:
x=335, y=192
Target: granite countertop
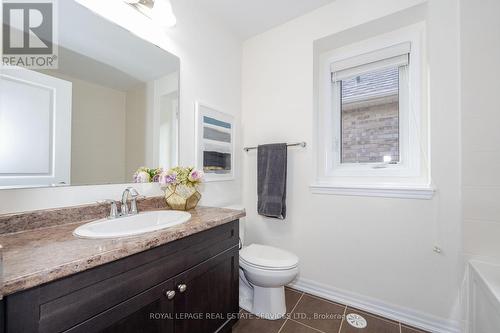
x=34, y=257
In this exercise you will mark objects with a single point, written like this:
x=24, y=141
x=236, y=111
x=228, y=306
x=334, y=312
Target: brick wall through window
x=370, y=117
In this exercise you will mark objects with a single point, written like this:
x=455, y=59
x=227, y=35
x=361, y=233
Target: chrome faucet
x=133, y=194
x=129, y=192
x=113, y=212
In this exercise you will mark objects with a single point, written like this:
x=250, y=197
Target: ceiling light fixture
x=160, y=11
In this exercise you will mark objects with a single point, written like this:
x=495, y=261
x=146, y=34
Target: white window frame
x=406, y=165
x=334, y=177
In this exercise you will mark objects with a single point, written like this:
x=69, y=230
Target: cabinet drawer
x=62, y=304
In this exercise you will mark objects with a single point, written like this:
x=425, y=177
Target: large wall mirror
x=110, y=107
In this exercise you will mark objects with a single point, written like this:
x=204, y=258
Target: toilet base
x=245, y=294
x=269, y=303
x=266, y=303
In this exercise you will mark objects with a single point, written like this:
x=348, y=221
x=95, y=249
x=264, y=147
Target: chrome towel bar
x=301, y=144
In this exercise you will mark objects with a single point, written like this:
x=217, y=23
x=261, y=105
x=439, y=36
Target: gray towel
x=271, y=180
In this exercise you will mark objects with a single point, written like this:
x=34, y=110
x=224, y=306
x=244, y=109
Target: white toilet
x=264, y=271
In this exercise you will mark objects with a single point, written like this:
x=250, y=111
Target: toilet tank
x=242, y=222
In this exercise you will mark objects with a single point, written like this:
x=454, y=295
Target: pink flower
x=142, y=177
x=168, y=178
x=195, y=176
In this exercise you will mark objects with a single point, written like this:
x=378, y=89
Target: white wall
x=135, y=129
x=97, y=133
x=168, y=130
x=165, y=133
x=377, y=248
x=210, y=72
x=480, y=46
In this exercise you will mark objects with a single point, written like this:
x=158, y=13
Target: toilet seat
x=246, y=266
x=267, y=258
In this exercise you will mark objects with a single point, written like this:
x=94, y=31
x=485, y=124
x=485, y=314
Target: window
x=369, y=93
x=369, y=107
x=369, y=117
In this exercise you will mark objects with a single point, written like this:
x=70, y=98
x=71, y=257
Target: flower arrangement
x=147, y=175
x=181, y=176
x=180, y=184
x=181, y=187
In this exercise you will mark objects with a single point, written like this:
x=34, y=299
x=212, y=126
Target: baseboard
x=413, y=318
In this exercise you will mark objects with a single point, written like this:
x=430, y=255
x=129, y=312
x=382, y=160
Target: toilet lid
x=268, y=257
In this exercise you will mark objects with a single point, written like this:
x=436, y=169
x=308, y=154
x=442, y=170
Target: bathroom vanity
x=181, y=279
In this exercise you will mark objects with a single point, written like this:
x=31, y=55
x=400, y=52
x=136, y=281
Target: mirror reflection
x=109, y=108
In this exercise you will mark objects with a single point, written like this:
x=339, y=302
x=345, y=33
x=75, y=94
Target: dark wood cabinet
x=210, y=295
x=190, y=285
x=151, y=311
x=2, y=317
x=154, y=317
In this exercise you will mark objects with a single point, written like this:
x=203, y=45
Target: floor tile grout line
x=343, y=318
x=298, y=301
x=376, y=316
x=322, y=300
x=298, y=322
x=289, y=314
x=294, y=290
x=392, y=321
x=283, y=325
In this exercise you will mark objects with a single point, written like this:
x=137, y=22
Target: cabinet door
x=207, y=295
x=148, y=312
x=2, y=317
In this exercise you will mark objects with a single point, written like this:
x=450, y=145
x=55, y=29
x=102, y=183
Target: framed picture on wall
x=214, y=143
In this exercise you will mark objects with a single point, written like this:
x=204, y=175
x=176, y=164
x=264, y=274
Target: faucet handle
x=133, y=192
x=133, y=203
x=113, y=212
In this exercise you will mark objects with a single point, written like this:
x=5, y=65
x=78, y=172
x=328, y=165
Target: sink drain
x=355, y=320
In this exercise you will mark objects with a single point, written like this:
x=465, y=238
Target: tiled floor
x=310, y=314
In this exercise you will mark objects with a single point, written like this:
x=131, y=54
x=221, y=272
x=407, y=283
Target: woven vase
x=182, y=197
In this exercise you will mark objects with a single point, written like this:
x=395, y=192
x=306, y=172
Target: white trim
x=371, y=190
x=410, y=169
x=391, y=311
x=408, y=153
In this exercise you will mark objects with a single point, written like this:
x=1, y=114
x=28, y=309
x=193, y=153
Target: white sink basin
x=132, y=225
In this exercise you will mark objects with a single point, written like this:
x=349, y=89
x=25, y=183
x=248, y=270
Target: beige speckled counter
x=34, y=257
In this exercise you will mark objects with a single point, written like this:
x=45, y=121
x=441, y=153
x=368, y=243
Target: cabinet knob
x=182, y=288
x=170, y=294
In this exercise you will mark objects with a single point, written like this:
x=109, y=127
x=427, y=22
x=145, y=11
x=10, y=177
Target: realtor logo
x=28, y=34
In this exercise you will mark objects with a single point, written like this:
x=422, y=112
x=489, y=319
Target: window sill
x=424, y=192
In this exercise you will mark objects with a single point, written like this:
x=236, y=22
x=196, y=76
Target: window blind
x=394, y=56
